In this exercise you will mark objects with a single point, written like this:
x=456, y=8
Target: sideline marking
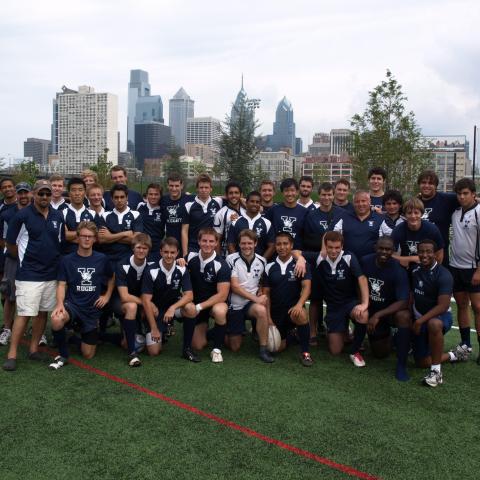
x=227, y=423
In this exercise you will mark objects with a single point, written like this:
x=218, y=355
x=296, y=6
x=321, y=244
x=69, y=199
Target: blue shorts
x=421, y=349
x=86, y=320
x=236, y=320
x=281, y=319
x=337, y=316
x=383, y=328
x=316, y=293
x=462, y=280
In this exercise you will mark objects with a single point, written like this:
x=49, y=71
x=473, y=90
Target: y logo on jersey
x=128, y=222
x=158, y=217
x=412, y=247
x=172, y=210
x=376, y=285
x=86, y=274
x=341, y=274
x=427, y=213
x=55, y=224
x=259, y=231
x=288, y=223
x=324, y=224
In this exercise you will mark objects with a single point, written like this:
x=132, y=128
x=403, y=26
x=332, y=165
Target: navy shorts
x=236, y=320
x=85, y=323
x=383, y=328
x=203, y=316
x=421, y=349
x=462, y=280
x=316, y=293
x=281, y=318
x=337, y=316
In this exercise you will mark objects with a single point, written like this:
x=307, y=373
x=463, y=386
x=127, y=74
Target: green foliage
x=26, y=171
x=102, y=169
x=198, y=167
x=320, y=173
x=387, y=136
x=173, y=164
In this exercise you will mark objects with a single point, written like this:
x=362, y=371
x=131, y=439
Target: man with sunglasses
x=34, y=236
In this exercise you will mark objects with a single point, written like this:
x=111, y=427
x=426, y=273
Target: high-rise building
x=340, y=141
x=328, y=168
x=149, y=109
x=204, y=131
x=137, y=88
x=274, y=165
x=283, y=128
x=152, y=140
x=38, y=150
x=85, y=124
x=181, y=108
x=298, y=146
x=242, y=101
x=320, y=144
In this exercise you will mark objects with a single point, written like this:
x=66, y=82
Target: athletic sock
x=219, y=335
x=304, y=337
x=403, y=345
x=188, y=329
x=60, y=337
x=465, y=336
x=130, y=328
x=438, y=368
x=358, y=335
x=210, y=334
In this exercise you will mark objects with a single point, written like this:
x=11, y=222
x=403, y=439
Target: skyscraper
x=181, y=108
x=137, y=88
x=340, y=140
x=38, y=149
x=283, y=128
x=242, y=101
x=203, y=131
x=152, y=140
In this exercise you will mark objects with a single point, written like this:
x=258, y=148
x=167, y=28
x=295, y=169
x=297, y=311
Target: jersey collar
x=138, y=269
x=284, y=265
x=204, y=262
x=168, y=273
x=333, y=265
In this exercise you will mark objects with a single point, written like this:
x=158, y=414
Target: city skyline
x=324, y=58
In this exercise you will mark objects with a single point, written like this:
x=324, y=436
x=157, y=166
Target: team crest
x=208, y=276
x=288, y=223
x=259, y=231
x=341, y=274
x=55, y=224
x=427, y=213
x=86, y=274
x=412, y=247
x=128, y=222
x=158, y=217
x=324, y=224
x=256, y=272
x=172, y=210
x=370, y=223
x=376, y=285
x=420, y=283
x=466, y=223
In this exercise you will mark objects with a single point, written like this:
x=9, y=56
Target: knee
x=189, y=310
x=403, y=318
x=435, y=326
x=88, y=355
x=219, y=313
x=130, y=309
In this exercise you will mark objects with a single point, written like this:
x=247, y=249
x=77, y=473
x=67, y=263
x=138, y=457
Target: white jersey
x=465, y=248
x=387, y=226
x=248, y=275
x=223, y=221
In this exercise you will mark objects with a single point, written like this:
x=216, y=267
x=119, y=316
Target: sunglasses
x=44, y=194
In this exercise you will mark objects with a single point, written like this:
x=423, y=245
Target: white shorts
x=34, y=297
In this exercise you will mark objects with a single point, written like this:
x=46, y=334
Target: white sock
x=438, y=368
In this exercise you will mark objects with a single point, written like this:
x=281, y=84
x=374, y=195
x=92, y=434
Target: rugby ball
x=139, y=343
x=274, y=339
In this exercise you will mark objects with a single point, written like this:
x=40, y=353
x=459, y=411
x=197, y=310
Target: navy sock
x=60, y=337
x=465, y=336
x=130, y=328
x=304, y=337
x=219, y=335
x=74, y=340
x=403, y=345
x=188, y=329
x=210, y=334
x=358, y=335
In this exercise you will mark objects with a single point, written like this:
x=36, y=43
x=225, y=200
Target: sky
x=323, y=56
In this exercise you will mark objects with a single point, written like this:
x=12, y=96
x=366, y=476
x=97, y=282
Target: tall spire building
x=283, y=128
x=181, y=108
x=137, y=88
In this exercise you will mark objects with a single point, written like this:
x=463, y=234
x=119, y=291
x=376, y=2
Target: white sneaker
x=357, y=359
x=460, y=353
x=5, y=336
x=43, y=341
x=216, y=355
x=433, y=378
x=58, y=363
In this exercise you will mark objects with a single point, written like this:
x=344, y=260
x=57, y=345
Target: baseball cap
x=42, y=185
x=23, y=186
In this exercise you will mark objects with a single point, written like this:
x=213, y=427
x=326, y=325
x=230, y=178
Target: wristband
x=198, y=308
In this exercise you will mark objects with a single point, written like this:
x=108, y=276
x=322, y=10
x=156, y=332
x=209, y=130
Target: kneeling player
x=210, y=277
x=287, y=296
x=432, y=286
x=245, y=300
x=79, y=300
x=388, y=306
x=167, y=294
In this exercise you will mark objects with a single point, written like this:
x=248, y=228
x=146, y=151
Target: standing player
x=210, y=277
x=287, y=295
x=95, y=199
x=388, y=305
x=34, y=237
x=81, y=277
x=252, y=219
x=118, y=174
x=267, y=192
x=289, y=216
x=377, y=177
x=341, y=192
x=465, y=264
x=305, y=188
x=58, y=187
x=432, y=287
x=392, y=204
x=245, y=299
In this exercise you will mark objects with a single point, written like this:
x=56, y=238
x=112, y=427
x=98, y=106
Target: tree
x=26, y=171
x=387, y=136
x=173, y=164
x=320, y=173
x=198, y=167
x=237, y=145
x=102, y=169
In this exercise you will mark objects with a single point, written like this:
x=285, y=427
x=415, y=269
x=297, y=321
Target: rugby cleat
x=43, y=341
x=459, y=353
x=58, y=362
x=265, y=356
x=191, y=356
x=306, y=359
x=357, y=360
x=134, y=360
x=433, y=378
x=216, y=355
x=5, y=336
x=10, y=364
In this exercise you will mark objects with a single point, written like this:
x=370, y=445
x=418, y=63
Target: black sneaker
x=306, y=359
x=10, y=364
x=37, y=356
x=265, y=356
x=134, y=360
x=58, y=362
x=189, y=355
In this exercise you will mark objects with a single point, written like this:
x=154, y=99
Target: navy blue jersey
x=153, y=223
x=199, y=215
x=439, y=210
x=172, y=214
x=260, y=225
x=360, y=236
x=39, y=241
x=266, y=209
x=338, y=279
x=206, y=274
x=134, y=198
x=387, y=284
x=85, y=277
x=428, y=284
x=285, y=287
x=317, y=222
x=6, y=214
x=166, y=286
x=310, y=206
x=376, y=201
x=290, y=220
x=130, y=275
x=72, y=218
x=407, y=240
x=348, y=207
x=120, y=222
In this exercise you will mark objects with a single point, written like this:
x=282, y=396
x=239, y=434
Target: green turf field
x=75, y=424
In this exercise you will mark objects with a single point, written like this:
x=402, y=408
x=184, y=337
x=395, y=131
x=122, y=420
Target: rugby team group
x=385, y=268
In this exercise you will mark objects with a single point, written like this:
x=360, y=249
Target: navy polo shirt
x=206, y=274
x=387, y=284
x=317, y=223
x=407, y=240
x=130, y=275
x=265, y=210
x=134, y=198
x=439, y=210
x=72, y=218
x=285, y=287
x=360, y=236
x=310, y=206
x=428, y=284
x=199, y=215
x=260, y=225
x=7, y=210
x=153, y=224
x=85, y=278
x=172, y=214
x=166, y=286
x=290, y=220
x=39, y=240
x=348, y=207
x=120, y=222
x=376, y=201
